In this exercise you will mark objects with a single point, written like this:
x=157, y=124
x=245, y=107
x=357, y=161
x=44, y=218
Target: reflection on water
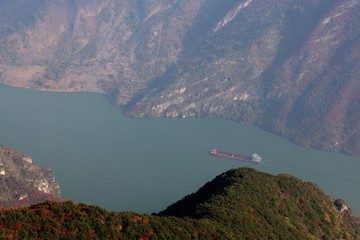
x=101, y=157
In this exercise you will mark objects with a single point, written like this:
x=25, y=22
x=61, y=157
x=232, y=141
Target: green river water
x=101, y=157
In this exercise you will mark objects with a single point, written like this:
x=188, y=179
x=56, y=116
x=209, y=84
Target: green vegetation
x=238, y=204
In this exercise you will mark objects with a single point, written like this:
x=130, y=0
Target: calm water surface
x=102, y=157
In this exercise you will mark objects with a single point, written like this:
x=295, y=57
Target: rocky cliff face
x=290, y=67
x=22, y=183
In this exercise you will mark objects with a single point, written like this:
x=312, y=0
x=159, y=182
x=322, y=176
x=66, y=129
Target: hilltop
x=238, y=204
x=290, y=67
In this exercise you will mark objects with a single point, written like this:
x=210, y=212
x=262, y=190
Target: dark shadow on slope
x=187, y=207
x=211, y=12
x=156, y=85
x=17, y=15
x=299, y=24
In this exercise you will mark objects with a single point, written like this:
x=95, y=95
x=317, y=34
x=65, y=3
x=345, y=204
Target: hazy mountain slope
x=291, y=67
x=17, y=16
x=114, y=47
x=238, y=204
x=22, y=183
x=293, y=73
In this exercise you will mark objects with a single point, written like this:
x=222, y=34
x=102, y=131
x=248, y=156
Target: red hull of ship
x=231, y=156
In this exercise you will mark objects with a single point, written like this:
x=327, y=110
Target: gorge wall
x=290, y=67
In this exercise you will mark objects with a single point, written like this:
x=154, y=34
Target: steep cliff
x=290, y=67
x=22, y=183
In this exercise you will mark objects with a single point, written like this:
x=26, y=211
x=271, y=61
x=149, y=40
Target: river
x=101, y=157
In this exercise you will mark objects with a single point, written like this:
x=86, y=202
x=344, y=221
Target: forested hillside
x=238, y=204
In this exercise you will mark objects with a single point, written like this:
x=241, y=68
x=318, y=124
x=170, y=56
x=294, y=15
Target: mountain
x=22, y=183
x=290, y=67
x=238, y=204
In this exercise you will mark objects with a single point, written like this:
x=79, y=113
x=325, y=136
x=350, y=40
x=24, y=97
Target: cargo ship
x=254, y=158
